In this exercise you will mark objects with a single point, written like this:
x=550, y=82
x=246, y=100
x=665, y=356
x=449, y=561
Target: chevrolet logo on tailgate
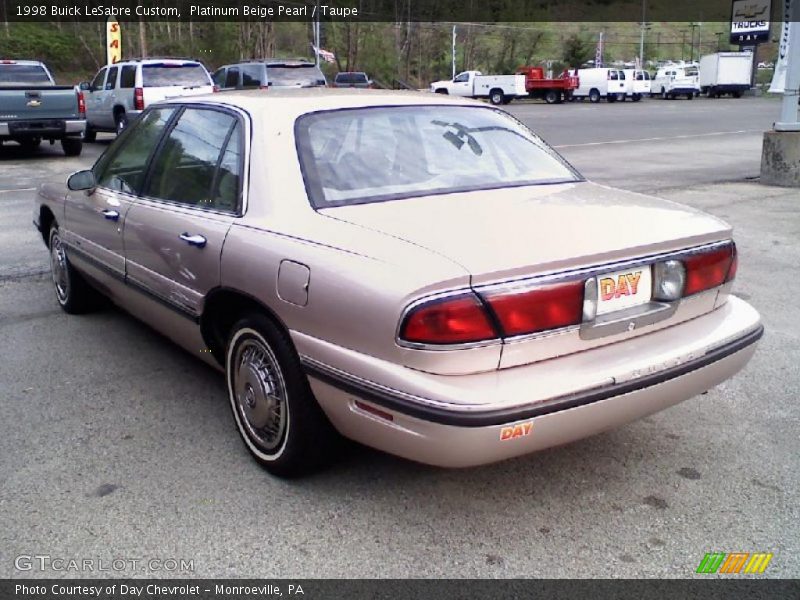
x=34, y=103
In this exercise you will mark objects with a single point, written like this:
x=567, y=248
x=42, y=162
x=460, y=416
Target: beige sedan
x=421, y=274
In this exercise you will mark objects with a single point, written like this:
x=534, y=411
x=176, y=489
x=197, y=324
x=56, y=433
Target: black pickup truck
x=33, y=108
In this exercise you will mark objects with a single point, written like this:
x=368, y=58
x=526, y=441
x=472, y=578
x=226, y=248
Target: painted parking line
x=17, y=190
x=661, y=139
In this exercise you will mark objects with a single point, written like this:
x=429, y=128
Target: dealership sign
x=750, y=21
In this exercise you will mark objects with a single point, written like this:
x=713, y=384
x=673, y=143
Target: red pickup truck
x=553, y=91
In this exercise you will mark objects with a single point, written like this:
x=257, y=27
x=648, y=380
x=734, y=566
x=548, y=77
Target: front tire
x=273, y=406
x=73, y=294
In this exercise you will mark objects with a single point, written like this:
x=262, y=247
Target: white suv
x=120, y=92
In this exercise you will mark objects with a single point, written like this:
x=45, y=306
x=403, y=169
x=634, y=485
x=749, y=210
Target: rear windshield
x=295, y=75
x=23, y=74
x=351, y=78
x=182, y=74
x=690, y=71
x=356, y=156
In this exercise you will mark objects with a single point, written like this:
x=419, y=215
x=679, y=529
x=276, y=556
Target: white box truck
x=725, y=73
x=499, y=89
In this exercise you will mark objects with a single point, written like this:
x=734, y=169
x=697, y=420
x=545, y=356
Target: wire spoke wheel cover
x=59, y=268
x=260, y=393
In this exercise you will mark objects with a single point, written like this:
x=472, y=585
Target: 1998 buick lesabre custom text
x=421, y=274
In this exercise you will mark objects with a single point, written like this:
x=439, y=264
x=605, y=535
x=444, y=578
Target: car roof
x=293, y=102
x=25, y=63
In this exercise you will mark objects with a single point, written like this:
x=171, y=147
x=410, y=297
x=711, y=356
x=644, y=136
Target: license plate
x=623, y=289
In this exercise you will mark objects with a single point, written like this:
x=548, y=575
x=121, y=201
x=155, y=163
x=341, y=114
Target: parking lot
x=115, y=443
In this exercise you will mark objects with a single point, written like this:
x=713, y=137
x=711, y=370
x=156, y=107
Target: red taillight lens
x=539, y=309
x=707, y=270
x=456, y=320
x=138, y=99
x=81, y=104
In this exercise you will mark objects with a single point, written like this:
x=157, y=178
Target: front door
x=175, y=231
x=95, y=219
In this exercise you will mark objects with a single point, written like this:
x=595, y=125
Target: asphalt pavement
x=114, y=443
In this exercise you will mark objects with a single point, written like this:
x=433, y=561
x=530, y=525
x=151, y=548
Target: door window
x=199, y=163
x=112, y=78
x=97, y=83
x=123, y=167
x=128, y=77
x=232, y=78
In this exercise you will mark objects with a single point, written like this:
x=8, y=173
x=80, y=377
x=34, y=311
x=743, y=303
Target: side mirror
x=81, y=180
x=84, y=86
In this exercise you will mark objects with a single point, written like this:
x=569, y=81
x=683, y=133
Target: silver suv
x=120, y=92
x=277, y=72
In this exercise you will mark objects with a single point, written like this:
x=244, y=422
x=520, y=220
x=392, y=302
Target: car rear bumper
x=439, y=428
x=47, y=128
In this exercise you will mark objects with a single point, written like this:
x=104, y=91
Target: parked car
x=499, y=89
x=364, y=264
x=353, y=79
x=672, y=81
x=725, y=73
x=598, y=83
x=275, y=72
x=33, y=108
x=637, y=84
x=120, y=92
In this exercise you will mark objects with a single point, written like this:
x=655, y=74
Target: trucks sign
x=750, y=21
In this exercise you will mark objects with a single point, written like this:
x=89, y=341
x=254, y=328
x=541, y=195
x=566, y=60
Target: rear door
x=193, y=193
x=95, y=219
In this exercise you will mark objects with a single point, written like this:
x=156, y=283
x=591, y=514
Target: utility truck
x=499, y=89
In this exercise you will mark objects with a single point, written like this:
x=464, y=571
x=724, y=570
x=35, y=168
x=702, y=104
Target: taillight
x=706, y=270
x=81, y=104
x=544, y=307
x=454, y=320
x=214, y=89
x=138, y=99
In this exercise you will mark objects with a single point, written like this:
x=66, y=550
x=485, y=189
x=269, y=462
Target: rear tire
x=72, y=146
x=690, y=96
x=594, y=96
x=120, y=121
x=274, y=409
x=496, y=97
x=552, y=97
x=663, y=94
x=73, y=294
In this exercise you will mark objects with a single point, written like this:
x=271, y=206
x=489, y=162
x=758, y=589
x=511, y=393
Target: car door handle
x=194, y=240
x=112, y=215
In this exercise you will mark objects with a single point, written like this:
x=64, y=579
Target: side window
x=461, y=78
x=232, y=77
x=219, y=77
x=127, y=78
x=252, y=76
x=112, y=78
x=97, y=82
x=622, y=75
x=122, y=167
x=197, y=164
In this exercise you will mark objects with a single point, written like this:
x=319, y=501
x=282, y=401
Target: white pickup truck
x=499, y=89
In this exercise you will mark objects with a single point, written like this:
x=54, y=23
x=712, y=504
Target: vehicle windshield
x=166, y=75
x=23, y=74
x=356, y=156
x=302, y=75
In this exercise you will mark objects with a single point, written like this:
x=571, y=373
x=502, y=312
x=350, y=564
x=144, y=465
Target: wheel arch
x=221, y=309
x=46, y=220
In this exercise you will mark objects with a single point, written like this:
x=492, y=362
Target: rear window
x=182, y=74
x=23, y=74
x=356, y=156
x=690, y=71
x=351, y=78
x=295, y=75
